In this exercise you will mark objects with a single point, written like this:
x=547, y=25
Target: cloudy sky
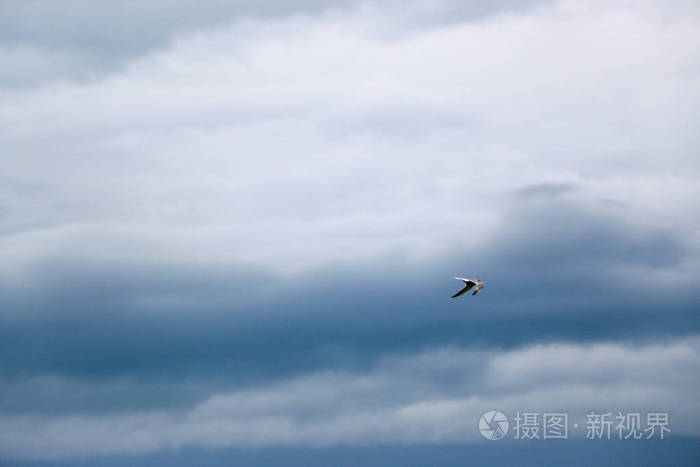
x=228, y=230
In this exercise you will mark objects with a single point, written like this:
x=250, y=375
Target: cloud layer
x=431, y=397
x=236, y=225
x=299, y=140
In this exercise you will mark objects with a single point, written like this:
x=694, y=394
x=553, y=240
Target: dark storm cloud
x=214, y=328
x=433, y=396
x=674, y=451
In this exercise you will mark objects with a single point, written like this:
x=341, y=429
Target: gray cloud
x=545, y=189
x=82, y=40
x=116, y=334
x=399, y=400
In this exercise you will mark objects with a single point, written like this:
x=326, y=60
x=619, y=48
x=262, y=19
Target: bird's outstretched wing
x=469, y=285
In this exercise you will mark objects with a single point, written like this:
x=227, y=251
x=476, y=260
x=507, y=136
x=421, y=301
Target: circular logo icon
x=493, y=425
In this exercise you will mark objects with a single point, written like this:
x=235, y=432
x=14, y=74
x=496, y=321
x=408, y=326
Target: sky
x=229, y=230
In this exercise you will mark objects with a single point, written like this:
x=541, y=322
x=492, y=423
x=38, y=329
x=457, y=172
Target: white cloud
x=300, y=140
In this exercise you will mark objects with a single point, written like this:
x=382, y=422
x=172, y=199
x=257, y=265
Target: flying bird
x=469, y=283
